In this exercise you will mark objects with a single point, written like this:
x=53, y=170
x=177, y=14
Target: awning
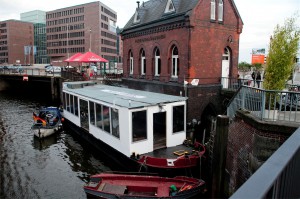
x=71, y=59
x=89, y=57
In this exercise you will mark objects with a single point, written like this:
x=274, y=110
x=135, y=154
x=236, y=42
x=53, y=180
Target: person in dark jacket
x=253, y=78
x=258, y=79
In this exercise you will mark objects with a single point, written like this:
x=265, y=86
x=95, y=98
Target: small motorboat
x=47, y=122
x=184, y=158
x=111, y=185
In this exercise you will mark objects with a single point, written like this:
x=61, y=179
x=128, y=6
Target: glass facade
x=38, y=18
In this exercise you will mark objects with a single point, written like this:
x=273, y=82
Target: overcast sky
x=259, y=16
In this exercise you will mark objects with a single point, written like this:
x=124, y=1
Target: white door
x=225, y=68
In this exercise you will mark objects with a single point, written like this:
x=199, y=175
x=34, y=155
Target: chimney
x=138, y=2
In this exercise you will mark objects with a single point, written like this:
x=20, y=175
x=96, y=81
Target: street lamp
x=90, y=40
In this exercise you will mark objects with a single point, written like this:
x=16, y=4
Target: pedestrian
x=253, y=78
x=258, y=79
x=239, y=81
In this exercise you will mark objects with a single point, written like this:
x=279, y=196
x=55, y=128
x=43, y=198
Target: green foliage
x=244, y=66
x=283, y=50
x=257, y=66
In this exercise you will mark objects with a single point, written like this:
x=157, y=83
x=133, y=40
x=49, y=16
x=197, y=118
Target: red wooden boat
x=186, y=158
x=109, y=185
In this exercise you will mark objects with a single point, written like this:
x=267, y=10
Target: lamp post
x=90, y=40
x=68, y=41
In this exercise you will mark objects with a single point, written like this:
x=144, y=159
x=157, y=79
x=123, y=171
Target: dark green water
x=57, y=167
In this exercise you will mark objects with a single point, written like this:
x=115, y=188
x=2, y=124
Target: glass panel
x=67, y=102
x=99, y=123
x=115, y=122
x=71, y=104
x=178, y=118
x=139, y=126
x=92, y=113
x=173, y=67
x=159, y=66
x=106, y=119
x=76, y=105
x=84, y=114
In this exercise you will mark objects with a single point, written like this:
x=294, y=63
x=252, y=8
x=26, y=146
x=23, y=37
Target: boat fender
x=187, y=187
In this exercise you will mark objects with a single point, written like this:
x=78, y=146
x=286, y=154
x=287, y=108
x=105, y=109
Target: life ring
x=49, y=115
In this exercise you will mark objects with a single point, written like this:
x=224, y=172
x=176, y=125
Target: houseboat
x=124, y=123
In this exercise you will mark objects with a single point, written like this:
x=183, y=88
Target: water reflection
x=55, y=167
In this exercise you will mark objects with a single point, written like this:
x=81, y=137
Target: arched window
x=213, y=10
x=157, y=62
x=175, y=66
x=130, y=63
x=143, y=62
x=220, y=11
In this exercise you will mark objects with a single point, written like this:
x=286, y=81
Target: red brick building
x=14, y=36
x=183, y=47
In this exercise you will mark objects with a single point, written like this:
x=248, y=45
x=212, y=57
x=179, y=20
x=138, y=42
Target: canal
x=56, y=167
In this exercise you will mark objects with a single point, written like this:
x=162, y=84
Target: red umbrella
x=90, y=57
x=71, y=59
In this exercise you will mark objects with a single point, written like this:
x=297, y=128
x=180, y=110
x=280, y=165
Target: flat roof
x=119, y=96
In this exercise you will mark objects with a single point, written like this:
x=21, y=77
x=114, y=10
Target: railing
x=267, y=105
x=28, y=71
x=278, y=177
x=236, y=83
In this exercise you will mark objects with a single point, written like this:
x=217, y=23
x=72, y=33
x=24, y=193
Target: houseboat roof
x=119, y=96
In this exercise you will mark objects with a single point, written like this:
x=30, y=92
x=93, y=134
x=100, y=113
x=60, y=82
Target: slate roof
x=153, y=11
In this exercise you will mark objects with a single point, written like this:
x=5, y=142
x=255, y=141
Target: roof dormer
x=170, y=7
x=137, y=17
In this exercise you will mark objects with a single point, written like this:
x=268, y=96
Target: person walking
x=253, y=78
x=258, y=79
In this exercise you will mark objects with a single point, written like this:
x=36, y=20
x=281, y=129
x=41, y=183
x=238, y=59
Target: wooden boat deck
x=168, y=152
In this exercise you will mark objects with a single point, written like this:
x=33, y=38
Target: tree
x=284, y=45
x=244, y=66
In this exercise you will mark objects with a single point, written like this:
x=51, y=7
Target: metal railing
x=278, y=177
x=28, y=71
x=266, y=105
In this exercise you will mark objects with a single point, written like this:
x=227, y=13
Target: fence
x=267, y=105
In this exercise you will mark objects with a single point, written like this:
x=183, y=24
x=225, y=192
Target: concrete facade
x=14, y=36
x=81, y=28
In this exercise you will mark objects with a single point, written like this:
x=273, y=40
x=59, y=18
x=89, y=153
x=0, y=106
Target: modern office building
x=16, y=37
x=38, y=18
x=81, y=28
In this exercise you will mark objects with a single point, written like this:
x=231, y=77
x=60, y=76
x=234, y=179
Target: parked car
x=53, y=69
x=47, y=66
x=17, y=69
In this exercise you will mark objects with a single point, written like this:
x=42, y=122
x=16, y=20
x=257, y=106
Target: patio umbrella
x=71, y=59
x=90, y=57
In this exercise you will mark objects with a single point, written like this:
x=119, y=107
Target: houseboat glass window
x=178, y=119
x=213, y=10
x=106, y=119
x=220, y=11
x=131, y=63
x=175, y=67
x=67, y=102
x=143, y=63
x=65, y=96
x=84, y=114
x=157, y=62
x=71, y=104
x=99, y=116
x=76, y=105
x=92, y=113
x=139, y=125
x=115, y=122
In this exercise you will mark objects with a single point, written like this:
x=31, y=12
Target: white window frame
x=143, y=60
x=131, y=63
x=221, y=10
x=213, y=10
x=167, y=9
x=174, y=63
x=137, y=18
x=157, y=58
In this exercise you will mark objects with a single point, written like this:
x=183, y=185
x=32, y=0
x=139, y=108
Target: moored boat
x=182, y=158
x=110, y=185
x=47, y=122
x=121, y=122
